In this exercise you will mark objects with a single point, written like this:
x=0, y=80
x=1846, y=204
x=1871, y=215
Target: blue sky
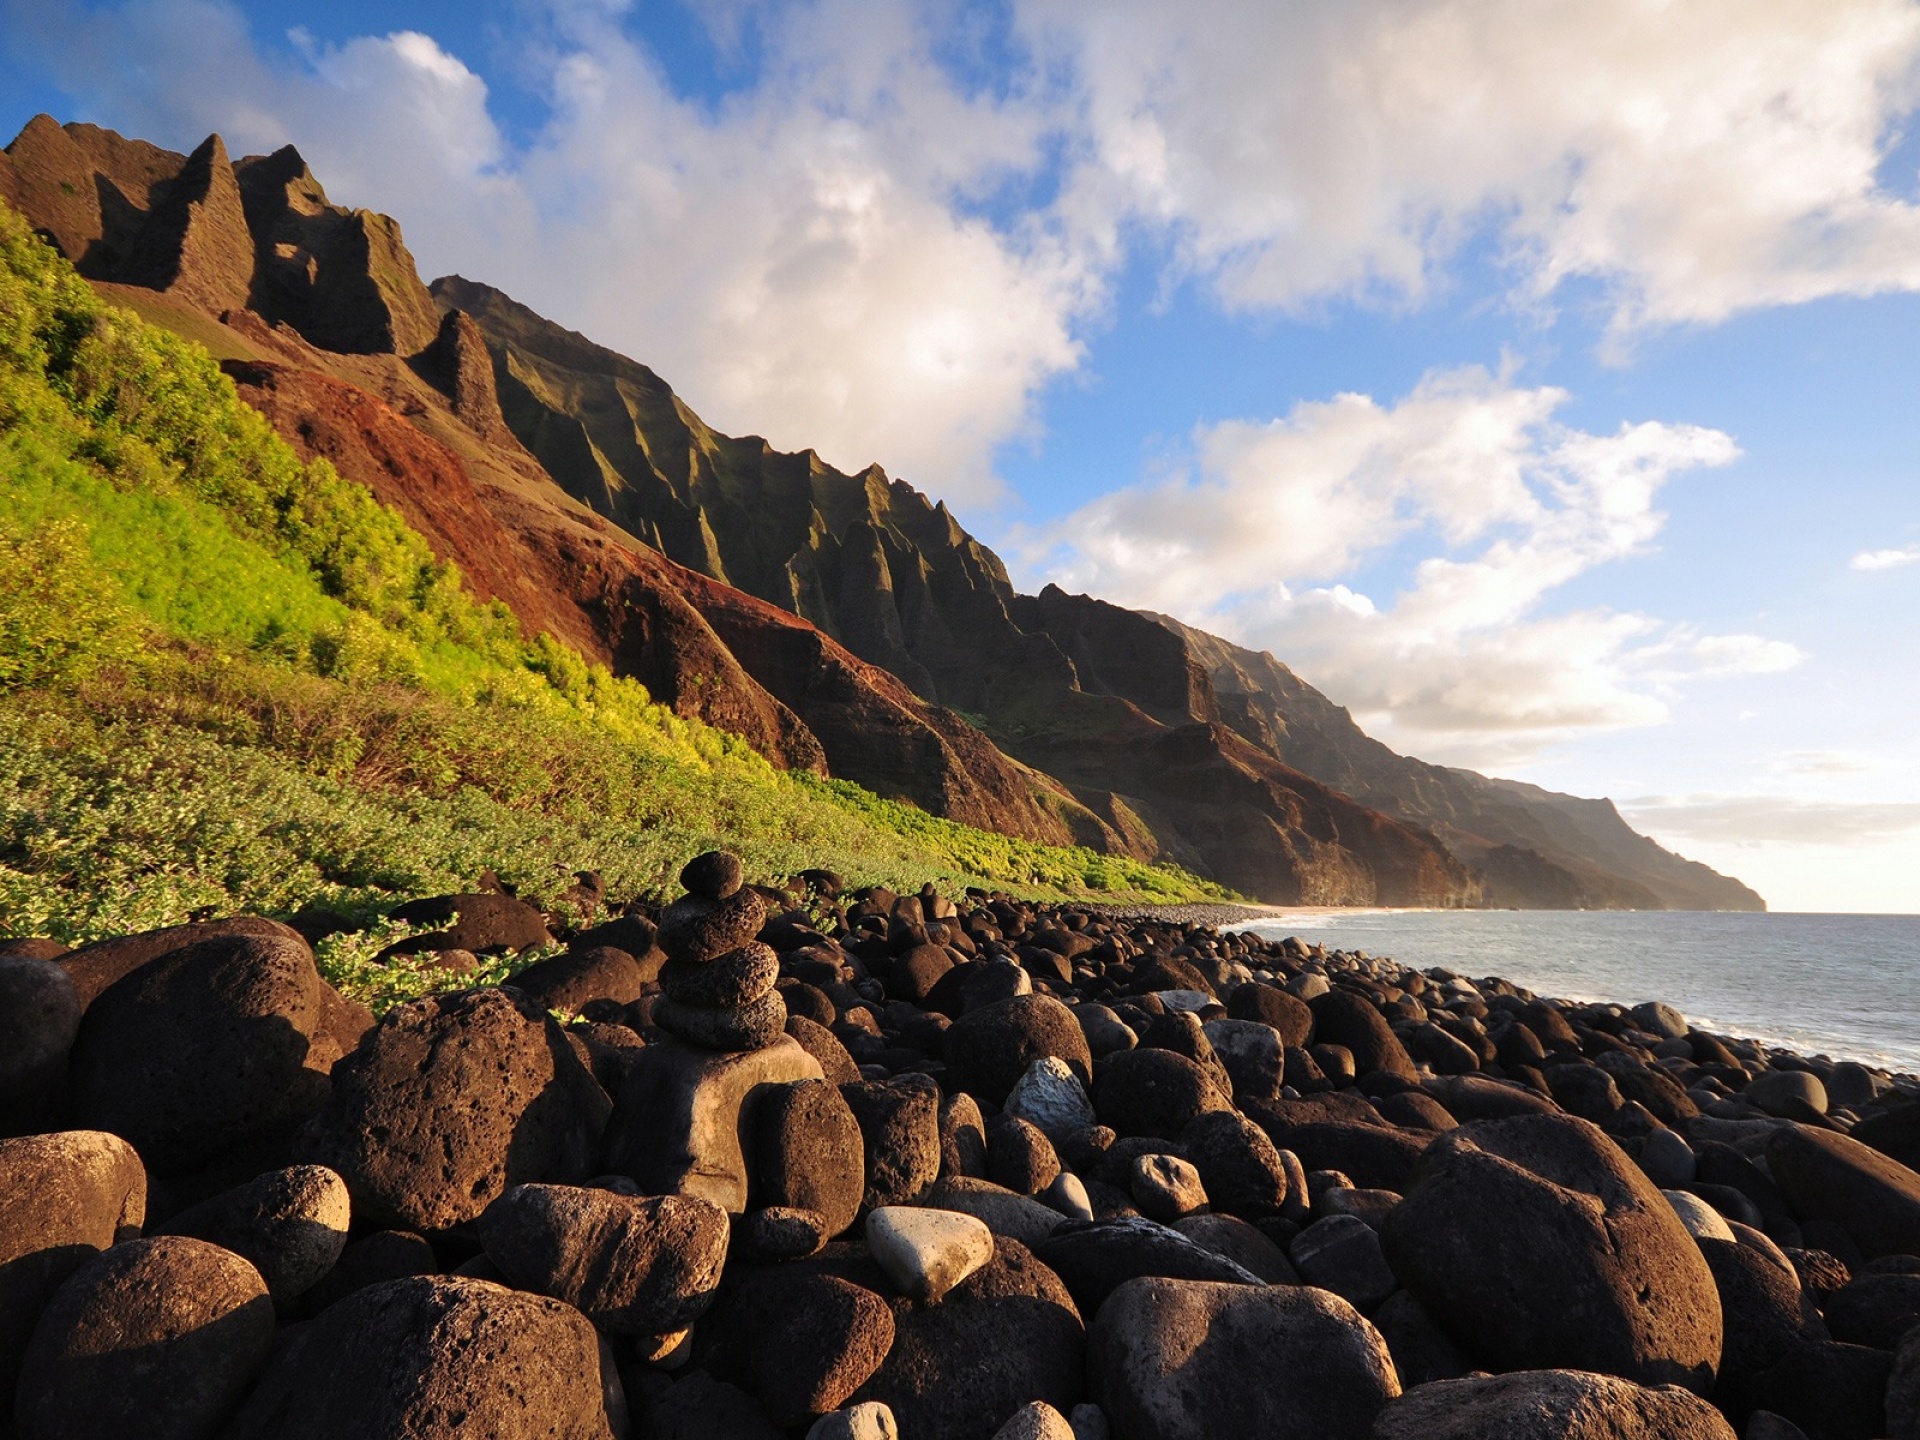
x=1539, y=381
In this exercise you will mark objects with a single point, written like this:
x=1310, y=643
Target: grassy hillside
x=232, y=680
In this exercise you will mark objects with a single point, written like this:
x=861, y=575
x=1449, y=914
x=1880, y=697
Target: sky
x=1542, y=382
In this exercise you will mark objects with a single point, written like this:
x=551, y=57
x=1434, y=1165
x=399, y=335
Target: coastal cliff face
x=840, y=623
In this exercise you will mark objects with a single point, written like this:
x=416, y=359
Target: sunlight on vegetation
x=230, y=680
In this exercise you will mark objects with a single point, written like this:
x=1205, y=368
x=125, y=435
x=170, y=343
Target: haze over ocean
x=1839, y=984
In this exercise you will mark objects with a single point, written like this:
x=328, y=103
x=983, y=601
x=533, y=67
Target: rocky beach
x=817, y=1162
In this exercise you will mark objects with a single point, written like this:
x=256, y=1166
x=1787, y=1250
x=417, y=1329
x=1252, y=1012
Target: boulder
x=960, y=1369
x=93, y=968
x=738, y=978
x=1154, y=1093
x=1374, y=1156
x=1827, y=1176
x=686, y=1116
x=809, y=1153
x=1342, y=1253
x=1344, y=1019
x=63, y=1199
x=1764, y=1311
x=712, y=875
x=825, y=1048
x=963, y=1137
x=1269, y=1005
x=1421, y=1350
x=570, y=982
x=1831, y=1391
x=634, y=1265
x=157, y=1337
x=1165, y=1187
x=1252, y=1053
x=990, y=1049
x=39, y=1018
x=1875, y=1310
x=1050, y=1096
x=482, y=922
x=750, y=1027
x=1903, y=1390
x=202, y=1049
x=1236, y=1240
x=926, y=1252
x=1790, y=1094
x=1537, y=1244
x=1019, y=1156
x=1549, y=1405
x=695, y=929
x=1239, y=1166
x=373, y=1258
x=698, y=1407
x=290, y=1225
x=1095, y=1257
x=869, y=1420
x=450, y=1101
x=1190, y=1360
x=1018, y=1217
x=900, y=1126
x=817, y=1346
x=1036, y=1421
x=435, y=1358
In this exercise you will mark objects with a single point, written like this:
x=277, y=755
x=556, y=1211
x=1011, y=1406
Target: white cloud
x=1764, y=819
x=1885, y=559
x=1469, y=489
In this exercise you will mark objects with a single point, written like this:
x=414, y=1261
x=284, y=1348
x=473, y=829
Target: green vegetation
x=233, y=681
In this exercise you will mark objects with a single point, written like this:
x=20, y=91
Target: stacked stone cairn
x=718, y=980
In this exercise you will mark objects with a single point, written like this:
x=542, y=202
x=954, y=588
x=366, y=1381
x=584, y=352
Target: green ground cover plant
x=231, y=680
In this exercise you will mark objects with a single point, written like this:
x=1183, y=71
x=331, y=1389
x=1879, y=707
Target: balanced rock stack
x=719, y=980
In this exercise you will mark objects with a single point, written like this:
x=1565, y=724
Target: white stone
x=927, y=1252
x=1049, y=1098
x=1703, y=1222
x=869, y=1421
x=1036, y=1420
x=1068, y=1195
x=1189, y=1000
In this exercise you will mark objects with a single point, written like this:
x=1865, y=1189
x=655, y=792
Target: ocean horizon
x=1814, y=982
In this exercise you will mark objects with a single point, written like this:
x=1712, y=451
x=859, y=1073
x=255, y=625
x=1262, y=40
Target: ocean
x=1847, y=986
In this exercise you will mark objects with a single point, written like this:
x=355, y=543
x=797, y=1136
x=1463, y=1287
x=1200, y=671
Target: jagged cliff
x=839, y=622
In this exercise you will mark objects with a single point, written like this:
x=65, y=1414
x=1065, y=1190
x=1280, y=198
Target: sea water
x=1844, y=985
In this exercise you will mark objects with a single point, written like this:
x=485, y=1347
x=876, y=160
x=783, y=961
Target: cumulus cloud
x=1470, y=489
x=1885, y=559
x=1762, y=819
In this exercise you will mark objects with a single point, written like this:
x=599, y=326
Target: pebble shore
x=810, y=1162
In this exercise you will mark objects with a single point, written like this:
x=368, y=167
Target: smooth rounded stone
x=808, y=1152
x=735, y=979
x=1184, y=1001
x=916, y=973
x=1765, y=1425
x=452, y=1099
x=1537, y=1244
x=1833, y=1177
x=1790, y=1094
x=157, y=1337
x=1549, y=1405
x=695, y=929
x=1421, y=1350
x=63, y=1198
x=1342, y=1253
x=1656, y=1018
x=93, y=968
x=1445, y=1053
x=1017, y=1217
x=990, y=1049
x=713, y=875
x=963, y=1137
x=201, y=1050
x=435, y=1358
x=291, y=1225
x=1875, y=1310
x=1192, y=1360
x=1105, y=1031
x=990, y=982
x=1036, y=1421
x=1903, y=1390
x=1049, y=1095
x=1649, y=1087
x=1019, y=1156
x=1481, y=1097
x=698, y=1407
x=1239, y=1166
x=823, y=1342
x=1007, y=1335
x=751, y=1027
x=1376, y=1157
x=1368, y=1206
x=1089, y=1422
x=1831, y=1391
x=1094, y=1258
x=1154, y=1093
x=1894, y=1133
x=1269, y=1005
x=1703, y=1222
x=900, y=1126
x=1165, y=1187
x=1068, y=1195
x=39, y=1018
x=1765, y=1311
x=572, y=981
x=685, y=1116
x=1344, y=1019
x=925, y=1253
x=635, y=1265
x=369, y=1260
x=1236, y=1240
x=484, y=922
x=779, y=1232
x=1254, y=1054
x=1668, y=1160
x=869, y=1420
x=825, y=1047
x=1584, y=1090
